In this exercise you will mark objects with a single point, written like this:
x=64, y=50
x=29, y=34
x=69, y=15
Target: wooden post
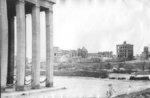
x=3, y=43
x=49, y=47
x=35, y=47
x=20, y=61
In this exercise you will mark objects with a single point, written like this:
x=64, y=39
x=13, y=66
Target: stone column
x=3, y=43
x=36, y=47
x=20, y=61
x=49, y=47
x=11, y=51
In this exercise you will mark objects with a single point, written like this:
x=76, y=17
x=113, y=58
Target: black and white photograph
x=75, y=48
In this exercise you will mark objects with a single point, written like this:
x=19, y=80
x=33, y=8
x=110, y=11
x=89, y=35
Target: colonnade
x=7, y=43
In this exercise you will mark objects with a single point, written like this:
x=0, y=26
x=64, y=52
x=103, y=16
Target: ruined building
x=124, y=51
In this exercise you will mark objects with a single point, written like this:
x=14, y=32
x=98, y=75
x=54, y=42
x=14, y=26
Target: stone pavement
x=11, y=93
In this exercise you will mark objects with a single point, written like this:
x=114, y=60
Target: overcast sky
x=97, y=24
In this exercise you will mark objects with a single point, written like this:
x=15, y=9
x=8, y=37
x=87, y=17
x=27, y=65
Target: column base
x=10, y=80
x=3, y=89
x=10, y=85
x=50, y=84
x=36, y=87
x=19, y=88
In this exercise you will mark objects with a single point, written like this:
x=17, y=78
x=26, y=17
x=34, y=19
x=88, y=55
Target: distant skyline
x=98, y=25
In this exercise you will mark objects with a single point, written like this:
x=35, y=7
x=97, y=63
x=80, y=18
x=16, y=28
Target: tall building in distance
x=146, y=53
x=124, y=51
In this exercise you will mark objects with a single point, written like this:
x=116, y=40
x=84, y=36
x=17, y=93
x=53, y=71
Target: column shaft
x=36, y=47
x=20, y=61
x=49, y=48
x=11, y=51
x=3, y=43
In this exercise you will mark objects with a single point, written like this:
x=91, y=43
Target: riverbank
x=139, y=94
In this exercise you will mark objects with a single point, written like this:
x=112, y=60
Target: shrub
x=139, y=78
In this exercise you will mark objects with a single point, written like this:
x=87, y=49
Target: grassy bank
x=101, y=74
x=140, y=94
x=128, y=66
x=85, y=69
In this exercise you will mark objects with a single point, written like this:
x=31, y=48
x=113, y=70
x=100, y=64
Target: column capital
x=22, y=1
x=37, y=5
x=49, y=10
